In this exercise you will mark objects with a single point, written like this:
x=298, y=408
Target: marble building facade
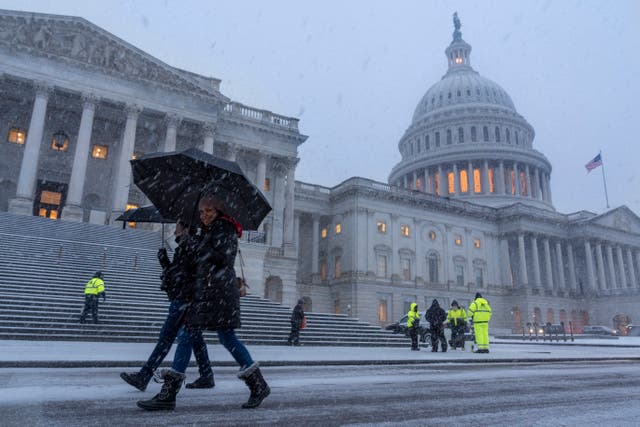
x=468, y=208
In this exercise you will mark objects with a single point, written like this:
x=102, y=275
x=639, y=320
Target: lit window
x=59, y=142
x=458, y=240
x=418, y=184
x=50, y=197
x=437, y=181
x=382, y=227
x=523, y=183
x=512, y=178
x=337, y=266
x=477, y=181
x=464, y=184
x=476, y=243
x=42, y=212
x=432, y=235
x=451, y=182
x=136, y=155
x=17, y=136
x=126, y=208
x=458, y=61
x=382, y=310
x=338, y=228
x=323, y=233
x=267, y=184
x=99, y=152
x=492, y=185
x=404, y=230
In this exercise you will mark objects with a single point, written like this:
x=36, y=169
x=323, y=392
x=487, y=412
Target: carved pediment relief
x=621, y=218
x=81, y=43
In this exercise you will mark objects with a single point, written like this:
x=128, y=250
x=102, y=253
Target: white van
x=598, y=330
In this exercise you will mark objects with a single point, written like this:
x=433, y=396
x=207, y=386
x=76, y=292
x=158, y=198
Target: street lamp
x=60, y=140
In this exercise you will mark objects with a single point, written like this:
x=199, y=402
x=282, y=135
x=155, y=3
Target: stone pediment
x=621, y=218
x=78, y=42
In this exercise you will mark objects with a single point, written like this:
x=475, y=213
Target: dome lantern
x=459, y=52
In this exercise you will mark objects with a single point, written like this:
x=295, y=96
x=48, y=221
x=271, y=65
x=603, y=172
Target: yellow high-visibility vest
x=455, y=317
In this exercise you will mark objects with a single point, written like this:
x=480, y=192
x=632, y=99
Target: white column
x=516, y=175
x=277, y=204
x=73, y=209
x=547, y=263
x=315, y=239
x=23, y=202
x=470, y=183
x=572, y=267
x=600, y=265
x=612, y=270
x=536, y=179
x=208, y=131
x=456, y=180
x=484, y=181
x=123, y=169
x=548, y=185
x=442, y=182
x=632, y=271
x=427, y=182
x=501, y=188
x=523, y=261
x=296, y=230
x=589, y=259
x=405, y=181
x=289, y=201
x=506, y=261
x=560, y=265
x=527, y=174
x=261, y=171
x=638, y=267
x=172, y=121
x=536, y=262
x=621, y=272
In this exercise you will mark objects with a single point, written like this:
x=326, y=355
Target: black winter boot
x=139, y=380
x=204, y=381
x=256, y=383
x=166, y=399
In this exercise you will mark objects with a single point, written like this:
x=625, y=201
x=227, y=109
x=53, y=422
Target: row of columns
x=554, y=265
x=536, y=180
x=23, y=202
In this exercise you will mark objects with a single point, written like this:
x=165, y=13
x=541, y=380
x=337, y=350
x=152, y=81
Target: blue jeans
x=234, y=346
x=173, y=325
x=188, y=340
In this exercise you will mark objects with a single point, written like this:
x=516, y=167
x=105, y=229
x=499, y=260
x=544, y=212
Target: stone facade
x=467, y=209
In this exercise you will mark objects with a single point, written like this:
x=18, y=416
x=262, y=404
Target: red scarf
x=235, y=224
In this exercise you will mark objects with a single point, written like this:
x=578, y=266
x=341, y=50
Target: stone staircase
x=44, y=265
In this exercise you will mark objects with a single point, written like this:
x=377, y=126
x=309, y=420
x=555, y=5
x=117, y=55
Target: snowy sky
x=354, y=71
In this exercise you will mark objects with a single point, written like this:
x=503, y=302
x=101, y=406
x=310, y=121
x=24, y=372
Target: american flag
x=594, y=163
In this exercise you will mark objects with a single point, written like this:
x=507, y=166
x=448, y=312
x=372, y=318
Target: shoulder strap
x=241, y=263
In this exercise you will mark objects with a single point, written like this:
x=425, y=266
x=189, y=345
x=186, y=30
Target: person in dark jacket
x=177, y=281
x=436, y=317
x=296, y=323
x=215, y=304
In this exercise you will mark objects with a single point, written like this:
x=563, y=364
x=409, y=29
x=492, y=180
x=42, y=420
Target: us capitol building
x=467, y=209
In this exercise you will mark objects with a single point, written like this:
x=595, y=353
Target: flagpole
x=604, y=180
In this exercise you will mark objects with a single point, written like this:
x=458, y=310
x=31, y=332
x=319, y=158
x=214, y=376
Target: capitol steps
x=45, y=265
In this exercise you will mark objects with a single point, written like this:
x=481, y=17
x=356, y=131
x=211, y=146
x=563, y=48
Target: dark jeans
x=168, y=333
x=294, y=336
x=90, y=305
x=437, y=334
x=457, y=336
x=413, y=333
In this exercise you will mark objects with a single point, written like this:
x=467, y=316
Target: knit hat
x=478, y=295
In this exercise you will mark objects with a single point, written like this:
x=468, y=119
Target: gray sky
x=354, y=71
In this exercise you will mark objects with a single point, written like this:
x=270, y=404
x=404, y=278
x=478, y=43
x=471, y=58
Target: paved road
x=566, y=394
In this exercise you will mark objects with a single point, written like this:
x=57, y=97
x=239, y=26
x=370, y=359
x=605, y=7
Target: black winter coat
x=435, y=315
x=215, y=304
x=178, y=275
x=297, y=315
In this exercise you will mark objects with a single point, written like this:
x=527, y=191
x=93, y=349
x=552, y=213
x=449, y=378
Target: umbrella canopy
x=175, y=182
x=144, y=214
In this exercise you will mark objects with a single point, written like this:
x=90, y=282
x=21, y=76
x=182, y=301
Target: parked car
x=633, y=330
x=598, y=330
x=400, y=327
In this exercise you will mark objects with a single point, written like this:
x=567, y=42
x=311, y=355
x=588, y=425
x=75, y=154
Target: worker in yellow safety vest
x=457, y=321
x=413, y=321
x=92, y=291
x=479, y=313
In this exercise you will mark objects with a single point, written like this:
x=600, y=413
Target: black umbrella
x=145, y=214
x=175, y=182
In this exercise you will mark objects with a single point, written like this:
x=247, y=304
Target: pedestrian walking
x=177, y=281
x=436, y=317
x=93, y=290
x=479, y=313
x=215, y=305
x=457, y=321
x=297, y=316
x=413, y=322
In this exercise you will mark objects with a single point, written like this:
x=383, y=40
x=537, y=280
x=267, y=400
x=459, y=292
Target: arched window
x=492, y=182
x=537, y=315
x=474, y=136
x=497, y=134
x=437, y=139
x=464, y=186
x=477, y=181
x=485, y=133
x=411, y=148
x=432, y=267
x=427, y=145
x=451, y=182
x=523, y=184
x=507, y=135
x=550, y=316
x=418, y=144
x=460, y=135
x=449, y=139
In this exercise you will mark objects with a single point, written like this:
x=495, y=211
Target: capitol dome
x=467, y=140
